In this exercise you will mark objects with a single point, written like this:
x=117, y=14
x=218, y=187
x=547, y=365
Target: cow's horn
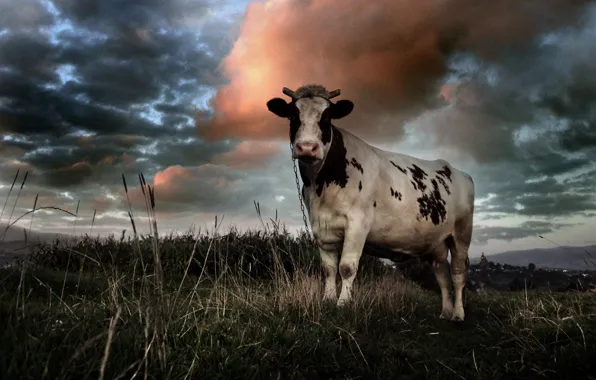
x=334, y=93
x=289, y=92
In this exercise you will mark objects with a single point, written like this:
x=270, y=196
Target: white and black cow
x=360, y=197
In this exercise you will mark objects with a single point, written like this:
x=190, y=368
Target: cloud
x=250, y=154
x=91, y=91
x=30, y=14
x=504, y=110
x=482, y=234
x=88, y=92
x=209, y=188
x=387, y=56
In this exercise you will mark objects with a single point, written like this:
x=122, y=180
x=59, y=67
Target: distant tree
x=483, y=262
x=531, y=267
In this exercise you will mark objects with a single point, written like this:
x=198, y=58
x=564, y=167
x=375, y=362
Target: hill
x=13, y=245
x=575, y=258
x=16, y=234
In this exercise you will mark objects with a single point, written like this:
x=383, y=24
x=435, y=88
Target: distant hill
x=14, y=246
x=16, y=233
x=557, y=257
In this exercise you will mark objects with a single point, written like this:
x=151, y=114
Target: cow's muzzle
x=307, y=152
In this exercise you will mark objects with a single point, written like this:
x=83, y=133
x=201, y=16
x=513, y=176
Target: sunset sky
x=504, y=90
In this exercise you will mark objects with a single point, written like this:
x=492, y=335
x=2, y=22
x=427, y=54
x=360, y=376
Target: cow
x=360, y=198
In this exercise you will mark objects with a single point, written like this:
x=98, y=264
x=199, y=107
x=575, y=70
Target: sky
x=91, y=90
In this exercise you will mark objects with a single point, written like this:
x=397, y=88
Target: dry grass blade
x=142, y=183
x=37, y=209
x=76, y=214
x=33, y=209
x=124, y=183
x=16, y=201
x=152, y=197
x=9, y=191
x=106, y=352
x=132, y=222
x=87, y=345
x=93, y=221
x=590, y=261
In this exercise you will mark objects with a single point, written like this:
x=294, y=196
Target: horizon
x=220, y=230
x=177, y=91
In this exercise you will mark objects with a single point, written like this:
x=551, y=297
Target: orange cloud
x=385, y=55
x=170, y=175
x=460, y=94
x=207, y=188
x=249, y=154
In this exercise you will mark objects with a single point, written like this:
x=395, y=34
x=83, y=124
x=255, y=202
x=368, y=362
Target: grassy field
x=249, y=306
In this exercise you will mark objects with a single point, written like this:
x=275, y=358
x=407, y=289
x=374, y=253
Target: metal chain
x=300, y=199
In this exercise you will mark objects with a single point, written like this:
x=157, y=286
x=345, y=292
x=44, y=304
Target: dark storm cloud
x=528, y=120
x=139, y=13
x=521, y=190
x=101, y=72
x=29, y=14
x=30, y=54
x=74, y=160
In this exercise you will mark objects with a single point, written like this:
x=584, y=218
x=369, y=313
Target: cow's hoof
x=457, y=318
x=342, y=302
x=445, y=315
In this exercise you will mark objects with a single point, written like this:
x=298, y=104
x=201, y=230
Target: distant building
x=483, y=262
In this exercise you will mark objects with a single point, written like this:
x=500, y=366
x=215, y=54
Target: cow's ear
x=341, y=109
x=279, y=107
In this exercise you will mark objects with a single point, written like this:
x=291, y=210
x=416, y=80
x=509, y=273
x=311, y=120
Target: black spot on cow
x=304, y=177
x=445, y=172
x=442, y=182
x=418, y=176
x=399, y=167
x=346, y=270
x=432, y=205
x=375, y=204
x=395, y=193
x=326, y=126
x=360, y=186
x=414, y=184
x=334, y=169
x=295, y=123
x=357, y=165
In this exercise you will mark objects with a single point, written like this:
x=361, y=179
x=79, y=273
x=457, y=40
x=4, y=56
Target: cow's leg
x=441, y=270
x=354, y=240
x=459, y=264
x=329, y=261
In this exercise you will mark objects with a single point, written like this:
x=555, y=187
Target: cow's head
x=310, y=113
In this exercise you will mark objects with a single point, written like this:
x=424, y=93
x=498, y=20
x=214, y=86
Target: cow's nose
x=307, y=148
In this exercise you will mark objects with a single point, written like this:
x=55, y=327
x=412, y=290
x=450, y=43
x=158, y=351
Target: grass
x=248, y=306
